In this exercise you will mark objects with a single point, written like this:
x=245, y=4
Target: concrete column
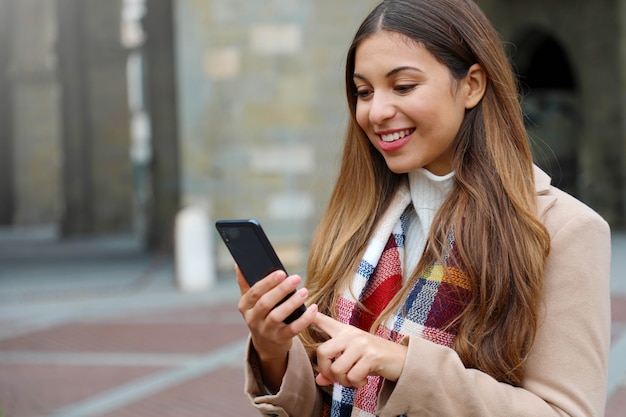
x=622, y=59
x=97, y=169
x=6, y=122
x=78, y=215
x=108, y=112
x=35, y=131
x=162, y=103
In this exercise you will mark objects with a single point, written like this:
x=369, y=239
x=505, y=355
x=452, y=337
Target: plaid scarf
x=435, y=300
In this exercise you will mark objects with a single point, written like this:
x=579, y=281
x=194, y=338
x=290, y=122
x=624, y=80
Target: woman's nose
x=382, y=108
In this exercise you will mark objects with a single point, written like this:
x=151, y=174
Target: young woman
x=447, y=277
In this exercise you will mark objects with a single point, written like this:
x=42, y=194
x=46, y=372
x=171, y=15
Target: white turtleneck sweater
x=428, y=192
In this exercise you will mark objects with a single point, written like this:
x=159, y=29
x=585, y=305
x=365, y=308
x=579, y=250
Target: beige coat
x=568, y=364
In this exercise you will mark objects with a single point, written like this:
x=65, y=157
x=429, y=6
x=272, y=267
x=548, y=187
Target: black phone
x=252, y=251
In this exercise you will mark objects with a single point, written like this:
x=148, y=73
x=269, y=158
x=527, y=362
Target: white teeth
x=395, y=136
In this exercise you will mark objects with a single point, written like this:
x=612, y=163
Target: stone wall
x=263, y=110
x=262, y=107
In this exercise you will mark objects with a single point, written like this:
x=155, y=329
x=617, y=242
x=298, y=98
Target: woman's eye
x=405, y=88
x=364, y=93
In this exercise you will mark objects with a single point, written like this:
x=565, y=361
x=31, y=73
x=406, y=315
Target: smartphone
x=252, y=251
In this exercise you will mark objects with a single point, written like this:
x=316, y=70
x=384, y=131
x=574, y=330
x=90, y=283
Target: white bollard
x=195, y=261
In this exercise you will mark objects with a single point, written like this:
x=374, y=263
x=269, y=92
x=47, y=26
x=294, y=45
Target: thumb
x=323, y=381
x=241, y=281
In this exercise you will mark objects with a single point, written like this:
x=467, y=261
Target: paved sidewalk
x=99, y=329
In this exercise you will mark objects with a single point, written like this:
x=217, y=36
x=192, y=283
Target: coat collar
x=545, y=199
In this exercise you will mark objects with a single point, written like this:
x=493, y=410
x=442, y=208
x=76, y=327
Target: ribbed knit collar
x=428, y=191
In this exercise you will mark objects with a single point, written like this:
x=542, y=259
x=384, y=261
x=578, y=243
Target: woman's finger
x=348, y=368
x=241, y=281
x=327, y=353
x=357, y=375
x=281, y=311
x=271, y=298
x=251, y=296
x=329, y=325
x=303, y=321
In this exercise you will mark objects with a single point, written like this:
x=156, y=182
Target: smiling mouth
x=392, y=137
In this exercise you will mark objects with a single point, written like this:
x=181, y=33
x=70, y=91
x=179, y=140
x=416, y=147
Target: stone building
x=114, y=115
x=571, y=59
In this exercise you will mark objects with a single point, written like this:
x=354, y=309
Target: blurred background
x=116, y=114
x=127, y=127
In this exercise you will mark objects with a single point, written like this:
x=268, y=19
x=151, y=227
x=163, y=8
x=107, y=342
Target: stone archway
x=551, y=105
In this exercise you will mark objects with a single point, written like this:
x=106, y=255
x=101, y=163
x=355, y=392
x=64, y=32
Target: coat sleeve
x=298, y=395
x=568, y=364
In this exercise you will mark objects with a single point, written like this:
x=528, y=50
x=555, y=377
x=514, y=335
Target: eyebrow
x=392, y=72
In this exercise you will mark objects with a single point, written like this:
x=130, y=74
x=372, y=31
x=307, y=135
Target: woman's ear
x=475, y=82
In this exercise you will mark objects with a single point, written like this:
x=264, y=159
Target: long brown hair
x=492, y=207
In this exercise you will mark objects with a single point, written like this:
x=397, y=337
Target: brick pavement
x=151, y=352
x=60, y=370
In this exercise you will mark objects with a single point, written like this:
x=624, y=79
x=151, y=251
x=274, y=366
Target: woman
x=447, y=277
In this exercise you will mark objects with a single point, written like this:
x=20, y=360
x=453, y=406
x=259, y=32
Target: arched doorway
x=550, y=104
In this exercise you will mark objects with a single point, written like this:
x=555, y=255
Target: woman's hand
x=271, y=337
x=351, y=355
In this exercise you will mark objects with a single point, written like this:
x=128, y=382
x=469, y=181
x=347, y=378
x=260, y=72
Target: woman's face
x=408, y=103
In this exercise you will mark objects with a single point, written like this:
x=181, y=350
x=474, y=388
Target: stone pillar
x=73, y=68
x=92, y=68
x=6, y=122
x=35, y=131
x=622, y=59
x=109, y=115
x=162, y=103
